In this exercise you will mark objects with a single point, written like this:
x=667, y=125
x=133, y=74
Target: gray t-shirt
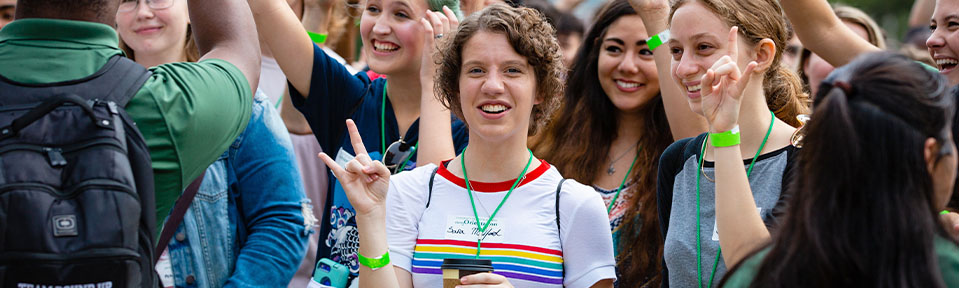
x=676, y=193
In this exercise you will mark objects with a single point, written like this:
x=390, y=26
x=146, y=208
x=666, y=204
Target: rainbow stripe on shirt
x=510, y=260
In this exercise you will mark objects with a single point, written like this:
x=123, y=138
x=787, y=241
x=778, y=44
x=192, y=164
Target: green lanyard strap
x=623, y=185
x=469, y=191
x=699, y=248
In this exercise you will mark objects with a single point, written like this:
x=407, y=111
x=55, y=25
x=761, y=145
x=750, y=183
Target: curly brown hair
x=530, y=35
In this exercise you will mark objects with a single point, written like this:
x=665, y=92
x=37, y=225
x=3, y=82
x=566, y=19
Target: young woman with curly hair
x=501, y=72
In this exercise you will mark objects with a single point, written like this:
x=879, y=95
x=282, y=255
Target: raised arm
x=286, y=36
x=821, y=31
x=436, y=136
x=683, y=122
x=225, y=30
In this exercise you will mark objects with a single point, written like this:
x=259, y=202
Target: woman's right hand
x=364, y=180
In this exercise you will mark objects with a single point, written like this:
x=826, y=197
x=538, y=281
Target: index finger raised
x=355, y=139
x=733, y=45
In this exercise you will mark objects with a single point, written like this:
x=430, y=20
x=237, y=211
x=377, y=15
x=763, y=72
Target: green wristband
x=657, y=40
x=317, y=37
x=944, y=212
x=374, y=263
x=725, y=139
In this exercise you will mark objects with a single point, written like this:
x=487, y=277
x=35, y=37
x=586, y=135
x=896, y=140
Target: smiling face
x=698, y=38
x=943, y=44
x=497, y=88
x=149, y=31
x=392, y=35
x=626, y=67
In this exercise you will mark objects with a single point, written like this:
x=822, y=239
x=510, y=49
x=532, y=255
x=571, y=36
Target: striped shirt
x=522, y=241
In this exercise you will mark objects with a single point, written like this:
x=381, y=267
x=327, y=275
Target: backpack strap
x=430, y=195
x=131, y=77
x=176, y=217
x=559, y=231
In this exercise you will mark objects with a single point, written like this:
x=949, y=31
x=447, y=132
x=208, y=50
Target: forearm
x=286, y=36
x=315, y=17
x=921, y=13
x=272, y=252
x=372, y=233
x=821, y=31
x=225, y=30
x=739, y=225
x=683, y=122
x=436, y=136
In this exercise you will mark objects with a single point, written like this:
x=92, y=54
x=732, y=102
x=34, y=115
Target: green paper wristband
x=317, y=37
x=944, y=212
x=657, y=40
x=374, y=263
x=725, y=139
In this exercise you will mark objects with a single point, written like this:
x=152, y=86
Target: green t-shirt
x=189, y=113
x=946, y=251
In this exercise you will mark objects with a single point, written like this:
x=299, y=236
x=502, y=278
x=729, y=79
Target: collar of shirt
x=80, y=33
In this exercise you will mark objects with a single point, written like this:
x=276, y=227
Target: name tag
x=165, y=270
x=716, y=232
x=465, y=229
x=343, y=157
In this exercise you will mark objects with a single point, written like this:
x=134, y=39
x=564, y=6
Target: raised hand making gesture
x=723, y=86
x=365, y=180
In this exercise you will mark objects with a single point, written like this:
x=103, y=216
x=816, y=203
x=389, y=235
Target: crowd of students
x=690, y=143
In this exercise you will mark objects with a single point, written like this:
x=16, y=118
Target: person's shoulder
x=948, y=253
x=580, y=195
x=744, y=274
x=683, y=147
x=416, y=177
x=204, y=77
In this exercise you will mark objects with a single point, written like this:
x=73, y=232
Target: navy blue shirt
x=336, y=95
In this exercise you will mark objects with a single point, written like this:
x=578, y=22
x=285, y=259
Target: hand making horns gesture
x=364, y=180
x=723, y=86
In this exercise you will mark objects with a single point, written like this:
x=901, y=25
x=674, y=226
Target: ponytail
x=785, y=95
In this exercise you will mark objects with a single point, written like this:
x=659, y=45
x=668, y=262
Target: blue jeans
x=246, y=227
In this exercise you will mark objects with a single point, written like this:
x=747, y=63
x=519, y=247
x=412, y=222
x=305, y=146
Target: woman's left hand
x=484, y=280
x=723, y=87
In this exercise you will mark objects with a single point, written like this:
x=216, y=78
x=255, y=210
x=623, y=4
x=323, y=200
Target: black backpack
x=76, y=184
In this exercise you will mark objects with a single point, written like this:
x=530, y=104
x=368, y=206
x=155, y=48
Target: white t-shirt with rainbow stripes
x=522, y=241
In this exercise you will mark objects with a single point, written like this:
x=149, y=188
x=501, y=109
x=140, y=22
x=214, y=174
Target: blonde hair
x=189, y=47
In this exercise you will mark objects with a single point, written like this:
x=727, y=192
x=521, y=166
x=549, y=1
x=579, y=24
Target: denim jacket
x=247, y=226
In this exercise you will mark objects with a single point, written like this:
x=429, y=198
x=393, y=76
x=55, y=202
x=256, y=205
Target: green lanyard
x=469, y=191
x=383, y=134
x=699, y=248
x=623, y=185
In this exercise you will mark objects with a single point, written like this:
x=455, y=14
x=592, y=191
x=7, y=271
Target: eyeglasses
x=398, y=155
x=131, y=5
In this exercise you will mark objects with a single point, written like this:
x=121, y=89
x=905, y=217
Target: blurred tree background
x=892, y=15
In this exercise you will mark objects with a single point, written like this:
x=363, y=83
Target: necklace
x=611, y=169
x=469, y=191
x=622, y=185
x=699, y=248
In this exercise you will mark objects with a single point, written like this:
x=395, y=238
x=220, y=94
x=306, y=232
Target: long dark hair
x=863, y=213
x=577, y=143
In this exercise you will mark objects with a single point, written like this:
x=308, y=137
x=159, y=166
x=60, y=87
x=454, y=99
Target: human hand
x=723, y=86
x=951, y=222
x=364, y=180
x=484, y=280
x=436, y=26
x=643, y=6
